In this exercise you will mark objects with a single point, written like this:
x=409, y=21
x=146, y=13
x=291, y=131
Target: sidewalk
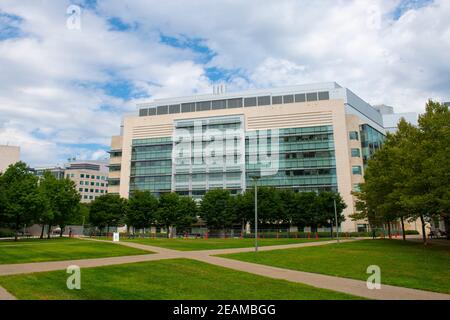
x=350, y=286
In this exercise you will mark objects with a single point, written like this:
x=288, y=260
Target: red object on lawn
x=317, y=236
x=309, y=236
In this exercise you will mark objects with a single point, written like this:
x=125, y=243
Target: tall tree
x=142, y=210
x=325, y=202
x=167, y=212
x=217, y=209
x=21, y=201
x=107, y=211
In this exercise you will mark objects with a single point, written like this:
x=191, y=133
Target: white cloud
x=53, y=95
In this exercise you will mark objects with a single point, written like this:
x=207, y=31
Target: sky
x=68, y=76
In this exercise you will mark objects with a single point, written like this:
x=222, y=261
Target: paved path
x=350, y=286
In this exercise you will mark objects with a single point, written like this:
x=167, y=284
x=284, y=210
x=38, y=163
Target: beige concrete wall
x=75, y=175
x=330, y=112
x=8, y=155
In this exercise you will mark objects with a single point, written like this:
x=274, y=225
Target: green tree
x=21, y=201
x=306, y=213
x=63, y=202
x=186, y=213
x=142, y=210
x=325, y=205
x=216, y=208
x=107, y=211
x=167, y=212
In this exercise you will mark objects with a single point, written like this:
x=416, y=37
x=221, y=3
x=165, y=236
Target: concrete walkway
x=350, y=286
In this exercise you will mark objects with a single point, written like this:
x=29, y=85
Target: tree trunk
x=49, y=231
x=15, y=236
x=331, y=225
x=61, y=232
x=447, y=226
x=403, y=228
x=424, y=235
x=42, y=232
x=389, y=230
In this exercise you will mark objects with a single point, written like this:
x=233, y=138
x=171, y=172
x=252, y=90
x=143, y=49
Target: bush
x=5, y=233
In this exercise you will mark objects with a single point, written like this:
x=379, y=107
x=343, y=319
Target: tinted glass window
x=188, y=107
x=152, y=112
x=143, y=112
x=235, y=103
x=264, y=101
x=288, y=99
x=353, y=135
x=300, y=97
x=174, y=108
x=277, y=100
x=311, y=96
x=203, y=106
x=324, y=95
x=163, y=110
x=356, y=153
x=219, y=104
x=250, y=102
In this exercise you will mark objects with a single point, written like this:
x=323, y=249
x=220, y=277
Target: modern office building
x=305, y=138
x=91, y=178
x=8, y=155
x=56, y=171
x=391, y=119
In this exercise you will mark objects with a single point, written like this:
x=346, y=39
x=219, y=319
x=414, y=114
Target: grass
x=212, y=244
x=405, y=264
x=36, y=250
x=162, y=280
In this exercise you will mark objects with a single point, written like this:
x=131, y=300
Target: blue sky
x=64, y=91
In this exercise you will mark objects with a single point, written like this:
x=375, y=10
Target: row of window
x=98, y=184
x=92, y=190
x=234, y=103
x=86, y=176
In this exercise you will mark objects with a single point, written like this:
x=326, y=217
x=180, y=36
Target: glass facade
x=305, y=158
x=371, y=141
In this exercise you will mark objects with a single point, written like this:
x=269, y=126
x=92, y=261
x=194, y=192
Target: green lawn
x=403, y=264
x=36, y=250
x=162, y=280
x=212, y=244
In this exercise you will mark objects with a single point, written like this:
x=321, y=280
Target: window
x=82, y=175
x=325, y=95
x=311, y=96
x=98, y=177
x=356, y=153
x=92, y=183
x=357, y=170
x=81, y=183
x=174, y=108
x=96, y=190
x=234, y=103
x=288, y=99
x=354, y=135
x=264, y=101
x=152, y=112
x=143, y=112
x=87, y=176
x=300, y=97
x=162, y=110
x=86, y=190
x=92, y=190
x=219, y=104
x=80, y=189
x=356, y=187
x=97, y=184
x=72, y=175
x=85, y=197
x=249, y=102
x=203, y=106
x=188, y=107
x=101, y=191
x=277, y=100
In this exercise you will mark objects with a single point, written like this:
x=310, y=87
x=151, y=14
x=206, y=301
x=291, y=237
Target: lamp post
x=335, y=216
x=256, y=178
